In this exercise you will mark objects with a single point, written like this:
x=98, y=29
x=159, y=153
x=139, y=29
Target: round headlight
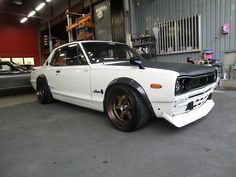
x=181, y=85
x=177, y=87
x=215, y=76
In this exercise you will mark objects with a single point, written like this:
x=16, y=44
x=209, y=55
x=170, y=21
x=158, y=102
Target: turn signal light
x=156, y=86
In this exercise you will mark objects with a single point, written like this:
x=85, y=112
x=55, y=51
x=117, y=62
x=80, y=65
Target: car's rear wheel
x=43, y=92
x=125, y=108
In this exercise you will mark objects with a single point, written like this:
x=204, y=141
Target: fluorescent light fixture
x=48, y=0
x=18, y=2
x=40, y=6
x=23, y=20
x=32, y=13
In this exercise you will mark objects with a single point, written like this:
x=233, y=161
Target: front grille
x=202, y=80
x=188, y=83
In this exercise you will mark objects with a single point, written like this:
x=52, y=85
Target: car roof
x=4, y=62
x=88, y=41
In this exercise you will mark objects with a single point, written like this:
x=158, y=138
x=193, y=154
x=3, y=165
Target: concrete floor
x=63, y=140
x=6, y=101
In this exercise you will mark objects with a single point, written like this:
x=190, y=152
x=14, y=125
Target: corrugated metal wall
x=214, y=13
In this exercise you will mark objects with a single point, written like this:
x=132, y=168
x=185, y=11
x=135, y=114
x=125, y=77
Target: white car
x=111, y=77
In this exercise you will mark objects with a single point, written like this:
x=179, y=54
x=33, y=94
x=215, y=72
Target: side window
x=5, y=68
x=116, y=54
x=58, y=59
x=69, y=55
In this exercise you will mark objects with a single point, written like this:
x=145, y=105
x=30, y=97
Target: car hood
x=182, y=69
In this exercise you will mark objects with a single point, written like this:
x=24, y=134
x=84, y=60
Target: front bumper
x=191, y=116
x=188, y=107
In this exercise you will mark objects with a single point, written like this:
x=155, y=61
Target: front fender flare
x=133, y=84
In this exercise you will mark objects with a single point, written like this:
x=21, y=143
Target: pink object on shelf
x=209, y=56
x=225, y=28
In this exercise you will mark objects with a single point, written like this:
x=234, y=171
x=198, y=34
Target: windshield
x=100, y=52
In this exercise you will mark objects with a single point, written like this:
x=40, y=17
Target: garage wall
x=59, y=7
x=18, y=40
x=214, y=14
x=103, y=28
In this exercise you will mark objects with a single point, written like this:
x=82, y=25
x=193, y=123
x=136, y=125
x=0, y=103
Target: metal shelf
x=145, y=44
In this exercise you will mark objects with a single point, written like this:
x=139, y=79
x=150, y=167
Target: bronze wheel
x=125, y=108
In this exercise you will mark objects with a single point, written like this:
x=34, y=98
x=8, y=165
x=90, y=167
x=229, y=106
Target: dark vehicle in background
x=13, y=78
x=27, y=67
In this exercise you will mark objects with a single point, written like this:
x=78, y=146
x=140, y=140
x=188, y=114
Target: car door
x=72, y=75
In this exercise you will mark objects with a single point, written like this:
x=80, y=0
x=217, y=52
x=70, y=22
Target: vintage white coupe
x=112, y=77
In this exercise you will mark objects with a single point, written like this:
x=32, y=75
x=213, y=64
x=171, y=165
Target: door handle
x=58, y=71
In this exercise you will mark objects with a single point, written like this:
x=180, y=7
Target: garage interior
x=61, y=139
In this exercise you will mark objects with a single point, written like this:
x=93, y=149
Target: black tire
x=43, y=92
x=125, y=108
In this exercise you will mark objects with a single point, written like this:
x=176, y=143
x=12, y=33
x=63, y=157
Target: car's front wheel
x=43, y=92
x=125, y=108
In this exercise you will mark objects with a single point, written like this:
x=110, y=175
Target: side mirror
x=190, y=60
x=135, y=61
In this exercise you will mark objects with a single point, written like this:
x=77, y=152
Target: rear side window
x=68, y=55
x=5, y=68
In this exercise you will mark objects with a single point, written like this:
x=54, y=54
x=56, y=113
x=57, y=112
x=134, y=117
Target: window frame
x=79, y=51
x=182, y=35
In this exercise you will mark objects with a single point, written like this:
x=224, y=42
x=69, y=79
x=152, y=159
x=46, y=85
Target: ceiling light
x=32, y=13
x=48, y=0
x=23, y=20
x=18, y=2
x=40, y=6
